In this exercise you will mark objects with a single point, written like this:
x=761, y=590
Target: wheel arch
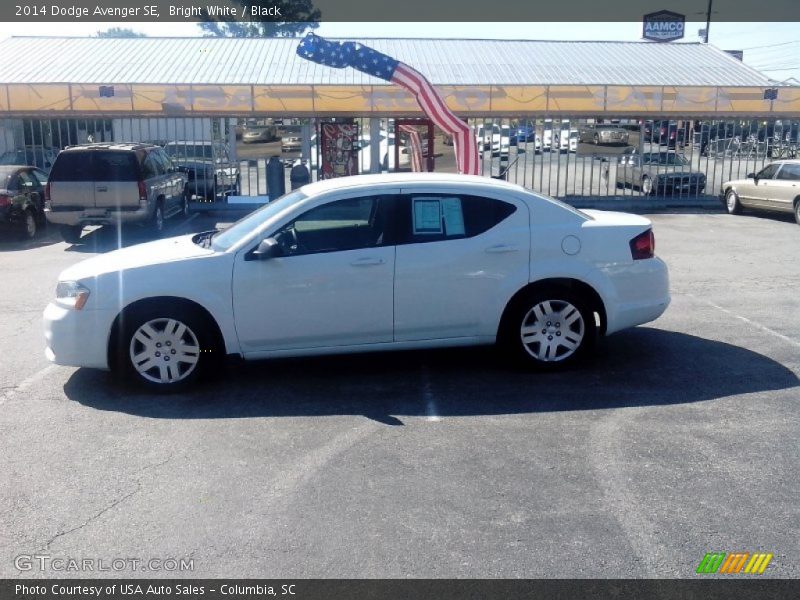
x=183, y=304
x=558, y=283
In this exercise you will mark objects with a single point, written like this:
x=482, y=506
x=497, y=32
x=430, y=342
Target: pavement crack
x=111, y=506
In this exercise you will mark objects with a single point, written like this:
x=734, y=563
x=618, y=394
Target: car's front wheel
x=550, y=329
x=797, y=211
x=165, y=349
x=157, y=222
x=647, y=185
x=732, y=204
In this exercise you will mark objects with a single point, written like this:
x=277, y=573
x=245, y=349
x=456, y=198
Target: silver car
x=112, y=184
x=603, y=134
x=663, y=172
x=775, y=187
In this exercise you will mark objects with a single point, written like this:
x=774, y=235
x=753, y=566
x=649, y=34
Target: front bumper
x=77, y=338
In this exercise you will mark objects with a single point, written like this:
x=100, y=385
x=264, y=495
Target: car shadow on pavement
x=640, y=367
x=105, y=239
x=10, y=243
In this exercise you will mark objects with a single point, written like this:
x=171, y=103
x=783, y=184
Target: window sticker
x=453, y=216
x=427, y=213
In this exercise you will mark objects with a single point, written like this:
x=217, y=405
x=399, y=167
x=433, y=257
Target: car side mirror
x=267, y=248
x=751, y=176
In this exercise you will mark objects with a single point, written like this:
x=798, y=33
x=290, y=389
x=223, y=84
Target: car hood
x=137, y=256
x=195, y=163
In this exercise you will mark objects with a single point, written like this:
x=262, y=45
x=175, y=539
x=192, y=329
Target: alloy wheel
x=164, y=351
x=552, y=330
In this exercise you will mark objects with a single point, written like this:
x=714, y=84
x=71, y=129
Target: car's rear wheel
x=71, y=233
x=732, y=204
x=596, y=140
x=165, y=349
x=185, y=202
x=550, y=329
x=29, y=225
x=157, y=221
x=797, y=210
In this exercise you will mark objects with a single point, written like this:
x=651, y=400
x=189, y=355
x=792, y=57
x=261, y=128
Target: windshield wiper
x=204, y=238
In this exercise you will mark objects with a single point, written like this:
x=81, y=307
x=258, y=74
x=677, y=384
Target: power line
x=772, y=45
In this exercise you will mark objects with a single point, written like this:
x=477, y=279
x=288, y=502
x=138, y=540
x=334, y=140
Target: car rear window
x=104, y=165
x=72, y=166
x=115, y=166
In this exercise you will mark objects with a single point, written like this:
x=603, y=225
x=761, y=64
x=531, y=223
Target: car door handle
x=366, y=262
x=101, y=188
x=501, y=248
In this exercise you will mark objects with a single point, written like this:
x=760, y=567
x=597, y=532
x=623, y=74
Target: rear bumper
x=640, y=294
x=98, y=216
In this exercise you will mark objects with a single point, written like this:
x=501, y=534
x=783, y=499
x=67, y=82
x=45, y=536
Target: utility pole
x=708, y=22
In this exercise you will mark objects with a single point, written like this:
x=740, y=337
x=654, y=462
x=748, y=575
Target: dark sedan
x=22, y=199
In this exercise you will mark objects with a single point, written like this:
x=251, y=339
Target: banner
x=339, y=147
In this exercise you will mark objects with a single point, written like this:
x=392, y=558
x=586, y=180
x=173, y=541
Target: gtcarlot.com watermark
x=67, y=564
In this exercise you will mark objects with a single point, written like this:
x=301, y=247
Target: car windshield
x=664, y=158
x=247, y=225
x=178, y=150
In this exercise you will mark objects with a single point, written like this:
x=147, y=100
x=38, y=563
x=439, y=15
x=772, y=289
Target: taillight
x=643, y=245
x=5, y=200
x=142, y=191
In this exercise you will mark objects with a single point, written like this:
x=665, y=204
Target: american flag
x=377, y=64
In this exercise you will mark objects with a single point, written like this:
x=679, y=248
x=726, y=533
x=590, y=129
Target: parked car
x=776, y=187
x=259, y=134
x=376, y=262
x=665, y=133
x=663, y=172
x=34, y=156
x=573, y=140
x=22, y=199
x=524, y=133
x=292, y=140
x=488, y=137
x=564, y=140
x=113, y=184
x=603, y=134
x=207, y=165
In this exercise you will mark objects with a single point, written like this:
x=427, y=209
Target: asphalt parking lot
x=679, y=438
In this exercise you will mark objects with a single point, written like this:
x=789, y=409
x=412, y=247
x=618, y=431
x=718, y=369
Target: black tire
x=545, y=346
x=647, y=187
x=596, y=140
x=157, y=220
x=185, y=202
x=71, y=233
x=165, y=352
x=29, y=226
x=797, y=210
x=732, y=204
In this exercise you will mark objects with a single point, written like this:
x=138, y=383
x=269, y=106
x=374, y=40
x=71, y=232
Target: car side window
x=25, y=181
x=39, y=176
x=349, y=224
x=768, y=172
x=789, y=172
x=151, y=167
x=422, y=218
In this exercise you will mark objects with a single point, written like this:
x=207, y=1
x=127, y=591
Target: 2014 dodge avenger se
x=374, y=262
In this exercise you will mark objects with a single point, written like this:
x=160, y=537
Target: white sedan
x=373, y=262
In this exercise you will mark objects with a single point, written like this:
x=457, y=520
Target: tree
x=297, y=16
x=120, y=32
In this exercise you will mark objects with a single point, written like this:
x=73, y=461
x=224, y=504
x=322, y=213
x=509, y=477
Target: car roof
x=357, y=181
x=109, y=146
x=197, y=143
x=6, y=170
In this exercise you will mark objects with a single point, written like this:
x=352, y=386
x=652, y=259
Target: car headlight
x=72, y=294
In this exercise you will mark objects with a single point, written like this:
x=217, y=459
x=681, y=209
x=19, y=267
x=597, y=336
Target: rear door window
x=115, y=166
x=789, y=172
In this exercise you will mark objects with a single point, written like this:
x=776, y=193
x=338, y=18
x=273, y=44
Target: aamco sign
x=663, y=26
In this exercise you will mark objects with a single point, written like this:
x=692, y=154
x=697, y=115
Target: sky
x=773, y=48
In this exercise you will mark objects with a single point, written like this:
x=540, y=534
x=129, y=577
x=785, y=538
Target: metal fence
x=561, y=157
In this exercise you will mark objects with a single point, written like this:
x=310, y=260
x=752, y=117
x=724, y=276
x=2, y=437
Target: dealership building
x=59, y=91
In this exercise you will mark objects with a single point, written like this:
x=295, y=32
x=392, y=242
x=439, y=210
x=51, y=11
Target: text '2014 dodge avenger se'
x=373, y=262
